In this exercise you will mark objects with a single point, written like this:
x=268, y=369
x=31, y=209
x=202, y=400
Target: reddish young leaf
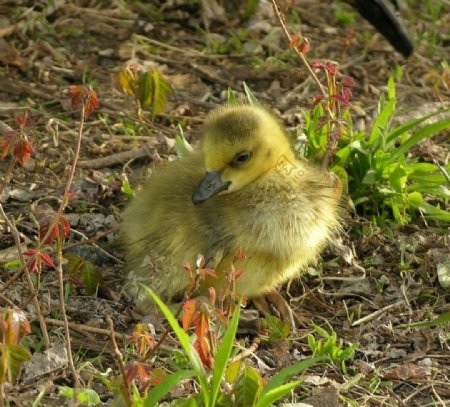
x=36, y=259
x=341, y=99
x=60, y=231
x=140, y=372
x=295, y=40
x=317, y=100
x=23, y=150
x=304, y=47
x=331, y=68
x=84, y=96
x=23, y=120
x=212, y=296
x=92, y=102
x=348, y=82
x=143, y=339
x=207, y=273
x=189, y=312
x=317, y=65
x=7, y=142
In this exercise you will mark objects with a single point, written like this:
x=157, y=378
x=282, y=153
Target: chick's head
x=239, y=144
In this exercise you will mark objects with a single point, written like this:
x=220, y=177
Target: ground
x=375, y=279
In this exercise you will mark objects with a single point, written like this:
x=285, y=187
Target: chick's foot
x=273, y=300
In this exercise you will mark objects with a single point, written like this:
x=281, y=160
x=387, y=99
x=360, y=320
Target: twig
x=377, y=313
x=84, y=328
x=119, y=358
x=118, y=158
x=7, y=301
x=15, y=234
x=247, y=352
x=282, y=22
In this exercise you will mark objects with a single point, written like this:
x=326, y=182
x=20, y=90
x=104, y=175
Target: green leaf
x=223, y=354
x=127, y=189
x=370, y=178
x=247, y=387
x=382, y=121
x=145, y=87
x=11, y=358
x=391, y=88
x=421, y=134
x=86, y=397
x=441, y=320
x=231, y=97
x=182, y=147
x=404, y=128
x=154, y=89
x=277, y=393
x=416, y=200
x=81, y=269
x=162, y=90
x=443, y=273
x=252, y=99
x=185, y=343
x=280, y=378
x=168, y=383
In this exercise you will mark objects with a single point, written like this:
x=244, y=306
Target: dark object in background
x=385, y=17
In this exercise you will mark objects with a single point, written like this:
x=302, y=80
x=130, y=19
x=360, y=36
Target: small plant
x=13, y=327
x=376, y=168
x=331, y=346
x=150, y=88
x=246, y=388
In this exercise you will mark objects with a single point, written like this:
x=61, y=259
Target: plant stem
x=282, y=22
x=16, y=237
x=119, y=359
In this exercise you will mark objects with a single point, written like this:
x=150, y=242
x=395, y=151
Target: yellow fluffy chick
x=244, y=190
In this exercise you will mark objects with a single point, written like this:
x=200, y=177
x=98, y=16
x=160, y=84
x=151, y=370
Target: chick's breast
x=281, y=222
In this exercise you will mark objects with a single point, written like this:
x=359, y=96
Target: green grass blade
x=441, y=320
x=393, y=134
x=223, y=354
x=382, y=121
x=185, y=342
x=277, y=393
x=252, y=99
x=163, y=388
x=281, y=377
x=423, y=133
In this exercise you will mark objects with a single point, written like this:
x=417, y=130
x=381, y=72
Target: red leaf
x=317, y=64
x=23, y=150
x=317, y=100
x=84, y=96
x=331, y=68
x=348, y=82
x=295, y=40
x=189, y=311
x=207, y=272
x=61, y=229
x=23, y=121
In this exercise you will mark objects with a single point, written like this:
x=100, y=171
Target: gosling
x=243, y=190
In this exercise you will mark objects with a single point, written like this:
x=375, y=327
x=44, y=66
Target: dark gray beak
x=211, y=184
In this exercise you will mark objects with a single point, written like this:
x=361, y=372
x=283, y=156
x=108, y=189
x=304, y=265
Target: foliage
x=83, y=272
x=376, y=167
x=149, y=88
x=86, y=397
x=330, y=346
x=245, y=383
x=13, y=327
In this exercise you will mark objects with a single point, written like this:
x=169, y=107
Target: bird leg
x=274, y=300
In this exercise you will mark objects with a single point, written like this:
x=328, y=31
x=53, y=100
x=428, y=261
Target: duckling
x=244, y=189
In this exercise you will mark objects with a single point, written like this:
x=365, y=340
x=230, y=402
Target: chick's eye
x=240, y=159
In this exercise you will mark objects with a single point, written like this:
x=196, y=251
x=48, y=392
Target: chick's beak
x=210, y=184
